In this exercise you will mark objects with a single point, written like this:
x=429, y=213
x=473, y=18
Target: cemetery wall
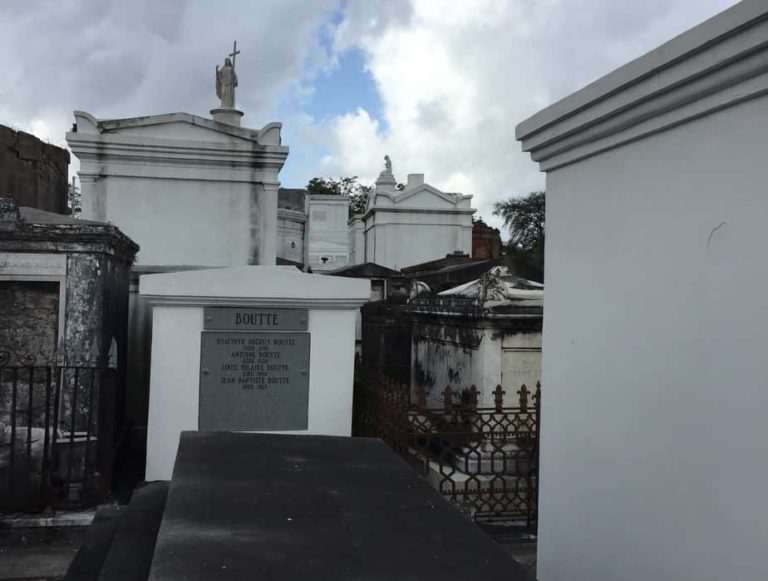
x=32, y=172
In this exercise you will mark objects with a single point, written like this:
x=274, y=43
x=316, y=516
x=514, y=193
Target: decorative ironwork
x=483, y=459
x=10, y=357
x=421, y=397
x=463, y=305
x=447, y=398
x=472, y=397
x=523, y=393
x=498, y=398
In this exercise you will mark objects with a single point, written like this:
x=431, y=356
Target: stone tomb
x=249, y=349
x=257, y=506
x=63, y=289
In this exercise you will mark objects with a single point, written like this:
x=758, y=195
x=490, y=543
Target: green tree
x=524, y=217
x=349, y=186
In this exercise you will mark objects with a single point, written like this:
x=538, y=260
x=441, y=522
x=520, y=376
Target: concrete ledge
x=719, y=63
x=61, y=519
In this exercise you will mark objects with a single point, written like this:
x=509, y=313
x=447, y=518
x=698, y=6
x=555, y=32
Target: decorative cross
x=234, y=54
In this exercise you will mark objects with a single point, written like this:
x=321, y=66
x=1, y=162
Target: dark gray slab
x=130, y=554
x=121, y=540
x=253, y=319
x=254, y=381
x=268, y=507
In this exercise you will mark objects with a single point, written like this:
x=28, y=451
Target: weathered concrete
x=33, y=173
x=88, y=264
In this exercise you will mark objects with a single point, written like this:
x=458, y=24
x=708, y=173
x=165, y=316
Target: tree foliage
x=349, y=186
x=524, y=217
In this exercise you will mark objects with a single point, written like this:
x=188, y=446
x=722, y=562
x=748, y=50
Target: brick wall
x=32, y=172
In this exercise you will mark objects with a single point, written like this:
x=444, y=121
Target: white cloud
x=455, y=78
x=118, y=58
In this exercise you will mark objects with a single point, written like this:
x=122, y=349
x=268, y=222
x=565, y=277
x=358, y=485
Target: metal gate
x=56, y=436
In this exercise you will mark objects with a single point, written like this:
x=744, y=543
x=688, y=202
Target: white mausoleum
x=400, y=228
x=655, y=376
x=192, y=190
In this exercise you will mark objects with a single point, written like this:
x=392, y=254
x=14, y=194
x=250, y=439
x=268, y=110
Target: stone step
x=122, y=547
x=90, y=557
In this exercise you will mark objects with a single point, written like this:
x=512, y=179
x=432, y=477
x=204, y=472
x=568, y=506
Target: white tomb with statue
x=411, y=223
x=193, y=190
x=237, y=343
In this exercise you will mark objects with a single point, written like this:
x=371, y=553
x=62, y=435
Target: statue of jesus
x=226, y=81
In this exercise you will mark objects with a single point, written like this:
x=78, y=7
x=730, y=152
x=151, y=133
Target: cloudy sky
x=439, y=85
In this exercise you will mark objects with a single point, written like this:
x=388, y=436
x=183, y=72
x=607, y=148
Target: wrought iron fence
x=56, y=436
x=466, y=306
x=483, y=459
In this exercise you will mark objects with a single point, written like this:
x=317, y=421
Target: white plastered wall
x=654, y=452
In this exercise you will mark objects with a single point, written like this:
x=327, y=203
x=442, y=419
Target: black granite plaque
x=254, y=381
x=252, y=319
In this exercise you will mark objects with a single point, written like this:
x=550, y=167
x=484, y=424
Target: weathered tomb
x=257, y=506
x=63, y=322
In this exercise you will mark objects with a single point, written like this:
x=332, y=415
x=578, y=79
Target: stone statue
x=387, y=164
x=226, y=81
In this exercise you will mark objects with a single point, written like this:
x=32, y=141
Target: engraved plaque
x=254, y=381
x=18, y=263
x=251, y=319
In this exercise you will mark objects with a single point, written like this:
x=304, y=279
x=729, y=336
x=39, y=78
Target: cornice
x=175, y=159
x=202, y=301
x=720, y=63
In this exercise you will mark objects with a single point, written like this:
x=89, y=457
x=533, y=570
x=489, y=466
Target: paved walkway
x=518, y=542
x=39, y=553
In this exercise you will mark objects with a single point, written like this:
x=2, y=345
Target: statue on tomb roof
x=387, y=164
x=226, y=81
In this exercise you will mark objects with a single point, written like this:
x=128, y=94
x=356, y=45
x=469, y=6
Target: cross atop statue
x=234, y=54
x=226, y=80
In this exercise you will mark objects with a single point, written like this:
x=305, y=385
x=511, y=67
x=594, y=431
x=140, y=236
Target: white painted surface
x=328, y=243
x=356, y=231
x=179, y=299
x=653, y=454
x=174, y=388
x=520, y=362
x=190, y=191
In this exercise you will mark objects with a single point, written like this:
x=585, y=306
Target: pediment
x=177, y=126
x=426, y=196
